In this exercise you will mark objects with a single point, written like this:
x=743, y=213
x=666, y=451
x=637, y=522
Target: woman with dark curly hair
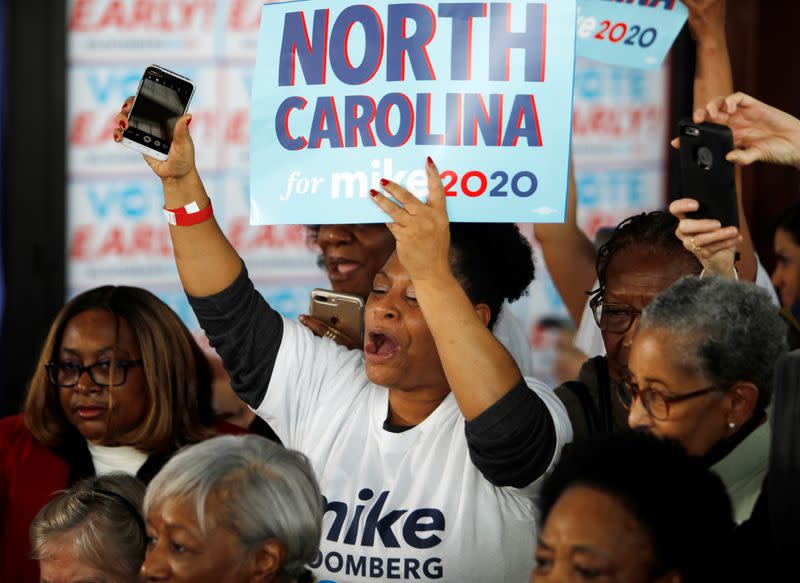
x=428, y=446
x=642, y=258
x=351, y=255
x=634, y=508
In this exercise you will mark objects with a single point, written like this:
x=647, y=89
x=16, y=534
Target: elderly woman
x=92, y=532
x=701, y=372
x=239, y=509
x=632, y=508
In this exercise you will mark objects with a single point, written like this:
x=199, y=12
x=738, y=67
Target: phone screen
x=161, y=101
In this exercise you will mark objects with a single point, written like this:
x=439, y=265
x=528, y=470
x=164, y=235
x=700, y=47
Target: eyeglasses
x=656, y=404
x=103, y=373
x=614, y=318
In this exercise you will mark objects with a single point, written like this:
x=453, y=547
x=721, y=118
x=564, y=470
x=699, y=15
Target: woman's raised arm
x=207, y=262
x=479, y=370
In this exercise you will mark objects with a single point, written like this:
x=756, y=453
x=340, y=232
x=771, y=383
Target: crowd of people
x=428, y=451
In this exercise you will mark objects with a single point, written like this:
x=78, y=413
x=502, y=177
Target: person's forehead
x=644, y=273
x=100, y=327
x=394, y=268
x=785, y=241
x=62, y=563
x=586, y=516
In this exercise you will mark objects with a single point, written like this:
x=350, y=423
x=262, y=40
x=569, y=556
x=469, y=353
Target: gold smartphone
x=344, y=312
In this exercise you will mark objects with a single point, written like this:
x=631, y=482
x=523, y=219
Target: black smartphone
x=706, y=175
x=162, y=98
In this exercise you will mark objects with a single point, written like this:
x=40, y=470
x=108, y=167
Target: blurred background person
x=631, y=507
x=120, y=386
x=701, y=373
x=93, y=532
x=786, y=277
x=238, y=509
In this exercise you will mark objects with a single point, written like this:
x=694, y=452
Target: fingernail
x=384, y=182
x=122, y=124
x=188, y=121
x=373, y=192
x=116, y=138
x=302, y=319
x=430, y=161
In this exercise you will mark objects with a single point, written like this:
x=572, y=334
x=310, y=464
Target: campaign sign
x=344, y=95
x=629, y=33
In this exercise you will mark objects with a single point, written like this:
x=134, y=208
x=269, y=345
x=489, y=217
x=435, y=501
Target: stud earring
x=731, y=425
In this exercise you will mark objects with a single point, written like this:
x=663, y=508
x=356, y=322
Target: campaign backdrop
x=117, y=233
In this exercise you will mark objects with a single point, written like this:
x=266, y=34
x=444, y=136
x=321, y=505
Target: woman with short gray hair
x=701, y=372
x=239, y=509
x=92, y=532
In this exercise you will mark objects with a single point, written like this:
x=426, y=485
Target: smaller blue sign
x=629, y=33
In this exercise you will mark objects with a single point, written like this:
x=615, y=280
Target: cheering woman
x=429, y=444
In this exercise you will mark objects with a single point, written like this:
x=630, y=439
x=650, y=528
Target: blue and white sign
x=345, y=94
x=629, y=33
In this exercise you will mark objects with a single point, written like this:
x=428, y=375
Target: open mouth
x=380, y=347
x=340, y=269
x=91, y=412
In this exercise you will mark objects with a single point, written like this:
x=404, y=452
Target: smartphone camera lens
x=704, y=158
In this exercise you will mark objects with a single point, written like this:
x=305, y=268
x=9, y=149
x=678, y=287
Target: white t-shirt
x=407, y=505
x=510, y=333
x=122, y=458
x=589, y=339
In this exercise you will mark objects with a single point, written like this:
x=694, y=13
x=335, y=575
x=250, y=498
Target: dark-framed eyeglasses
x=613, y=317
x=655, y=403
x=103, y=373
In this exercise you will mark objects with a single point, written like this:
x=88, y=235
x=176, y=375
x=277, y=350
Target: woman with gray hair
x=92, y=532
x=238, y=509
x=701, y=372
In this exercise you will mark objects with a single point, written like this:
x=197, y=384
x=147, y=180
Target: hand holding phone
x=162, y=98
x=341, y=312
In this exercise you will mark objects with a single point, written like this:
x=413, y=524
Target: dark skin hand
x=320, y=328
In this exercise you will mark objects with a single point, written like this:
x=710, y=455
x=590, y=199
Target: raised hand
x=760, y=132
x=706, y=19
x=180, y=160
x=713, y=245
x=421, y=229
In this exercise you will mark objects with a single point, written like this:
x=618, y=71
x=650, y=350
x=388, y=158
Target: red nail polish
x=373, y=192
x=188, y=121
x=122, y=124
x=430, y=161
x=384, y=182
